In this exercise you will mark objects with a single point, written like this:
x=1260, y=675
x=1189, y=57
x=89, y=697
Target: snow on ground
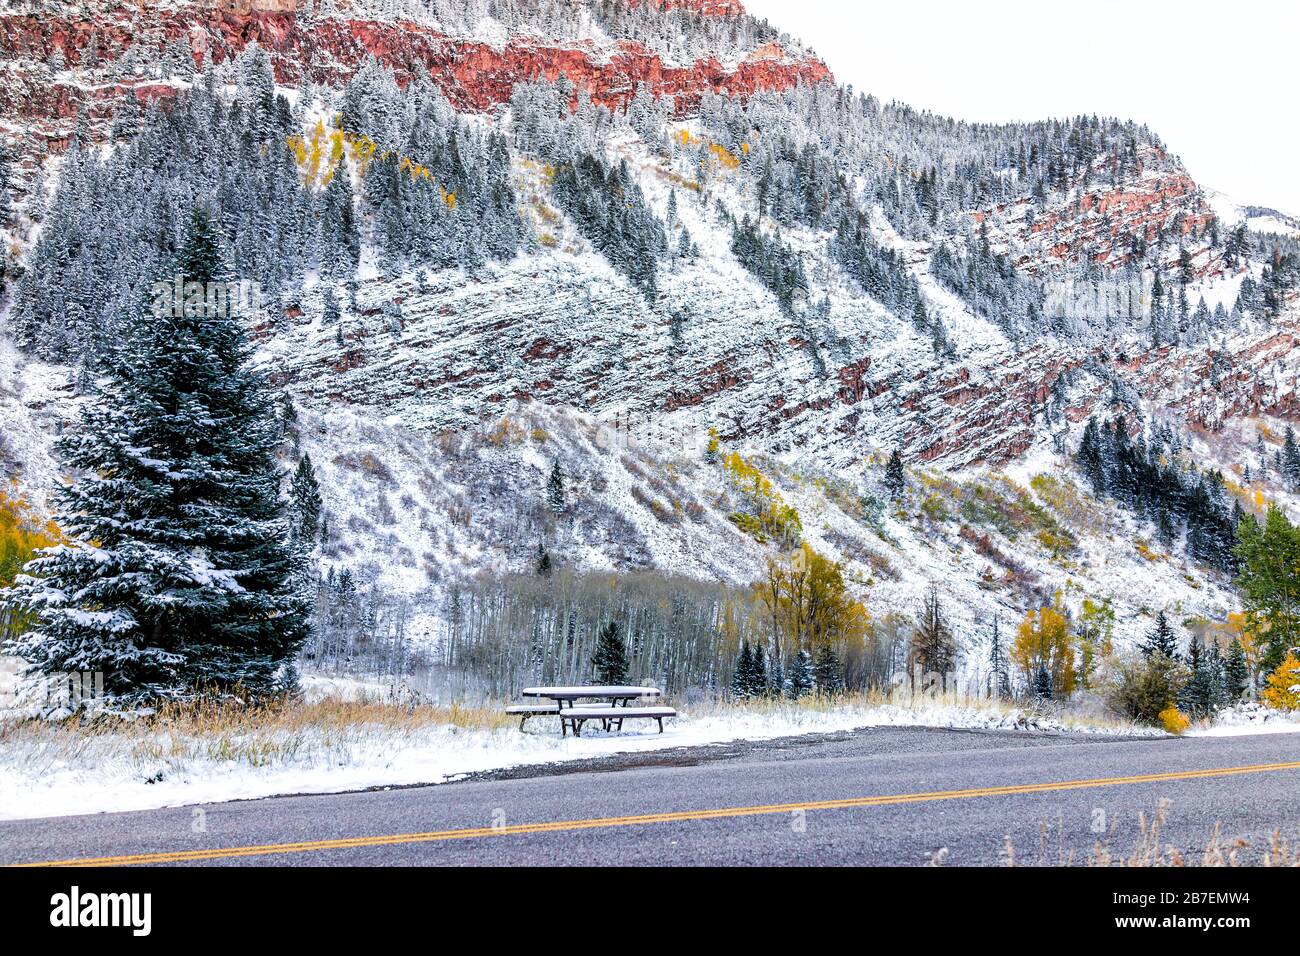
x=45, y=772
x=1247, y=719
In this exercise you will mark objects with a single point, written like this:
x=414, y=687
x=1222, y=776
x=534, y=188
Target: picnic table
x=612, y=706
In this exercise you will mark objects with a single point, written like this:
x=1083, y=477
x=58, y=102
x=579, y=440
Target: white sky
x=1216, y=81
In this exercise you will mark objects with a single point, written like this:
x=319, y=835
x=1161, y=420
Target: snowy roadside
x=1247, y=719
x=47, y=770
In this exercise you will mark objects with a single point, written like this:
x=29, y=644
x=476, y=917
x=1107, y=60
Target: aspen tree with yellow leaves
x=1282, y=689
x=23, y=532
x=1044, y=647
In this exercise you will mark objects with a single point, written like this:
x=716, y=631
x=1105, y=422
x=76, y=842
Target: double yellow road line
x=560, y=826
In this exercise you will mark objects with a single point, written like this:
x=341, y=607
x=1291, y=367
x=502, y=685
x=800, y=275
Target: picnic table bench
x=611, y=706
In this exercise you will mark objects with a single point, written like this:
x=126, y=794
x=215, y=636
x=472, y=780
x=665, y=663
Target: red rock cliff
x=473, y=74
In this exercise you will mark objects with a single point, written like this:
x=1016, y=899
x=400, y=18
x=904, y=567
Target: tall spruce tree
x=555, y=490
x=742, y=676
x=1290, y=460
x=5, y=183
x=801, y=674
x=1236, y=672
x=5, y=212
x=177, y=579
x=895, y=478
x=758, y=671
x=1161, y=639
x=828, y=674
x=304, y=503
x=609, y=662
x=1200, y=696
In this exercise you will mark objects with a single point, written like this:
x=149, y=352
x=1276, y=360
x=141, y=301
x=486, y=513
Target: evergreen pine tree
x=1290, y=461
x=1043, y=683
x=758, y=671
x=6, y=182
x=609, y=662
x=178, y=577
x=543, y=559
x=1193, y=698
x=776, y=682
x=5, y=212
x=801, y=675
x=895, y=477
x=304, y=503
x=742, y=677
x=555, y=490
x=1236, y=672
x=1161, y=639
x=828, y=675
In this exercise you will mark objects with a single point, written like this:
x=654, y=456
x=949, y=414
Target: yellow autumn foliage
x=23, y=532
x=320, y=152
x=769, y=518
x=1044, y=640
x=1174, y=720
x=725, y=157
x=807, y=599
x=1282, y=689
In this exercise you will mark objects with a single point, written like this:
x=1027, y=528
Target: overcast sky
x=1217, y=81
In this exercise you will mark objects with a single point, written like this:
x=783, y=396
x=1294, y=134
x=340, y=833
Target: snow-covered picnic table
x=611, y=710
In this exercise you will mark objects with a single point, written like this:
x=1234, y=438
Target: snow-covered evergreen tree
x=801, y=674
x=1161, y=640
x=555, y=490
x=304, y=503
x=1236, y=673
x=177, y=577
x=742, y=676
x=895, y=477
x=609, y=662
x=828, y=673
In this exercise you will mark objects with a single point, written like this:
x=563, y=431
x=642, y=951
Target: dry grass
x=230, y=732
x=1008, y=713
x=1151, y=850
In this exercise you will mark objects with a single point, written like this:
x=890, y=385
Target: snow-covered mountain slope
x=424, y=514
x=1260, y=219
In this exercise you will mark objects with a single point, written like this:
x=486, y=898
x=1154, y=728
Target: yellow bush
x=770, y=518
x=934, y=508
x=1174, y=720
x=750, y=525
x=1146, y=552
x=506, y=432
x=1282, y=690
x=724, y=156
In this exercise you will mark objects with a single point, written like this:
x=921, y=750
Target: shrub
x=750, y=525
x=23, y=531
x=934, y=509
x=769, y=517
x=1143, y=687
x=1174, y=720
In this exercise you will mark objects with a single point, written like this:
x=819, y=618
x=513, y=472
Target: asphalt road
x=896, y=796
